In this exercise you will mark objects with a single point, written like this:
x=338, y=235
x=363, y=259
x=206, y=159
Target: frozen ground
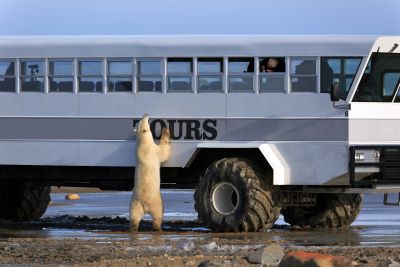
x=94, y=231
x=376, y=224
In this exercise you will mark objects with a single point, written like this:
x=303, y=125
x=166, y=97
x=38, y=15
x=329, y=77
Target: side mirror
x=335, y=92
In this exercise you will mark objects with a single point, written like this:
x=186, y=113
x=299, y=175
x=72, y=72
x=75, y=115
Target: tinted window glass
x=272, y=64
x=240, y=65
x=272, y=83
x=57, y=84
x=241, y=84
x=7, y=68
x=32, y=84
x=207, y=84
x=149, y=67
x=303, y=66
x=7, y=84
x=119, y=84
x=377, y=83
x=60, y=67
x=119, y=67
x=304, y=84
x=149, y=84
x=179, y=84
x=338, y=72
x=34, y=67
x=91, y=85
x=90, y=68
x=179, y=65
x=390, y=82
x=209, y=65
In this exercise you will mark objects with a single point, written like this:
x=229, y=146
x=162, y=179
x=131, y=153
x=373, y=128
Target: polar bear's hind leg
x=156, y=213
x=136, y=214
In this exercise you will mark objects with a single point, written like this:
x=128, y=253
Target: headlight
x=367, y=155
x=359, y=156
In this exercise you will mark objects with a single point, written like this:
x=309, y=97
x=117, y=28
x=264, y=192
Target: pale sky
x=129, y=17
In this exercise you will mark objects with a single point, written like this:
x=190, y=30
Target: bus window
x=90, y=76
x=241, y=74
x=272, y=64
x=272, y=74
x=390, y=83
x=7, y=76
x=32, y=75
x=338, y=71
x=179, y=74
x=303, y=75
x=209, y=74
x=61, y=76
x=119, y=76
x=379, y=82
x=149, y=75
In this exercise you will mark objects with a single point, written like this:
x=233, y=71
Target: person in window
x=327, y=75
x=269, y=65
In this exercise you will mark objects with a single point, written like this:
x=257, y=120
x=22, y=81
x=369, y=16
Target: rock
x=186, y=245
x=209, y=264
x=72, y=196
x=310, y=259
x=210, y=247
x=267, y=255
x=393, y=263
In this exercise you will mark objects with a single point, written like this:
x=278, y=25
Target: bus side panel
x=316, y=163
x=374, y=123
x=83, y=153
x=36, y=152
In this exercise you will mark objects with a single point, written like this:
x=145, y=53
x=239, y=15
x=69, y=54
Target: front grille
x=390, y=169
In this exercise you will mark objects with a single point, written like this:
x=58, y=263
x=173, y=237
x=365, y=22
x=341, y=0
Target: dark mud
x=161, y=252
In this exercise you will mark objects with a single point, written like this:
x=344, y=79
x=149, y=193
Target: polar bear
x=146, y=196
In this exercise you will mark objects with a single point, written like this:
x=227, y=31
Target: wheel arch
x=265, y=155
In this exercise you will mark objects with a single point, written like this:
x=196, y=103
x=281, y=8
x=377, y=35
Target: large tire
x=234, y=195
x=23, y=201
x=332, y=211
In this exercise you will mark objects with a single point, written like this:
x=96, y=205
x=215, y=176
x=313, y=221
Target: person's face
x=272, y=63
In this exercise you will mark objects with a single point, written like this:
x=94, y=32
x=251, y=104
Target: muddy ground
x=65, y=236
x=155, y=252
x=175, y=246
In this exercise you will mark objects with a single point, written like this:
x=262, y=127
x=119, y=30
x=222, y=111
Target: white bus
x=261, y=125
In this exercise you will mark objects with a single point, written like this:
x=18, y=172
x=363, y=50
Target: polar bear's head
x=143, y=128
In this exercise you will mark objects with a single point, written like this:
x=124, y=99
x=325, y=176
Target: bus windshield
x=380, y=81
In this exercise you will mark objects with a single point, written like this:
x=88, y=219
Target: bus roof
x=183, y=46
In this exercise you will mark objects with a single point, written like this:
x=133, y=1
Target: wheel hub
x=225, y=198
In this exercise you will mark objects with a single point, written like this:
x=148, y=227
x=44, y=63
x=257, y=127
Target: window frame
x=342, y=76
x=281, y=74
x=62, y=76
x=22, y=77
x=242, y=75
x=316, y=60
x=219, y=75
x=88, y=76
x=396, y=87
x=123, y=76
x=149, y=76
x=184, y=75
